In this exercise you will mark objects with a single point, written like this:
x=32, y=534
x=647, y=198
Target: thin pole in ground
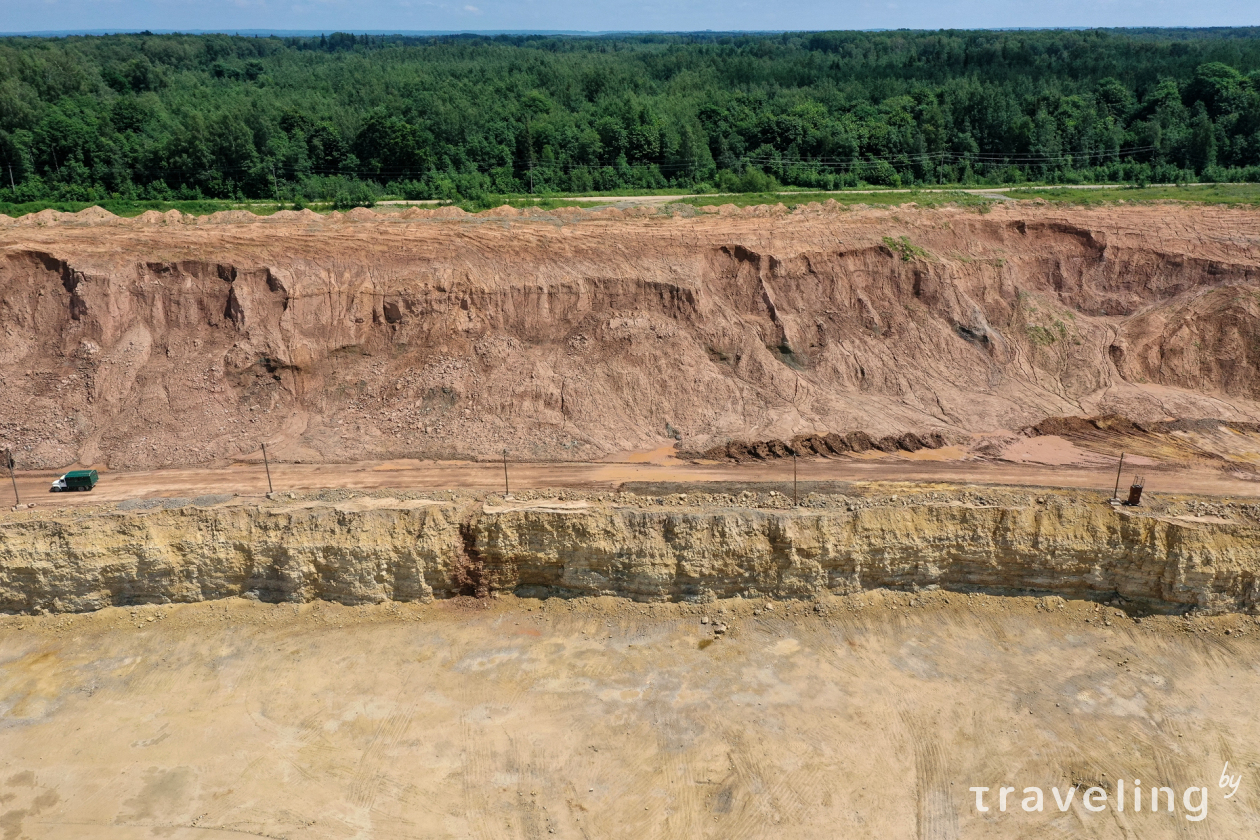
x=506, y=491
x=795, y=500
x=1116, y=493
x=8, y=460
x=267, y=467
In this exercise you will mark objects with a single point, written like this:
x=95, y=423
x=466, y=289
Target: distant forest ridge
x=351, y=117
x=306, y=33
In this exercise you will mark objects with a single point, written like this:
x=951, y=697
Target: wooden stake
x=267, y=467
x=1116, y=493
x=8, y=460
x=795, y=500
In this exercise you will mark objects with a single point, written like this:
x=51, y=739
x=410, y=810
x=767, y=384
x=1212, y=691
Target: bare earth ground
x=601, y=718
x=379, y=343
x=251, y=479
x=172, y=341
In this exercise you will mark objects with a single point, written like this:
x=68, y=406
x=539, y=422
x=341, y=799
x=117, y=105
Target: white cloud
x=472, y=9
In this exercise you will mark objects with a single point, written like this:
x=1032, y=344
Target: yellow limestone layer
x=373, y=550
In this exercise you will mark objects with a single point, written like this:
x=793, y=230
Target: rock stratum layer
x=167, y=340
x=373, y=550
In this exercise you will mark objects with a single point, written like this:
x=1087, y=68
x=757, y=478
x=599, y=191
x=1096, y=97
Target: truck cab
x=83, y=480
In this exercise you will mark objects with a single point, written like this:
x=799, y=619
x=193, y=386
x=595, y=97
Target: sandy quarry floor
x=603, y=718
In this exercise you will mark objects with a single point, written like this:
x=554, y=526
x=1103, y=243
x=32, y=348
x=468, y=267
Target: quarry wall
x=578, y=335
x=370, y=550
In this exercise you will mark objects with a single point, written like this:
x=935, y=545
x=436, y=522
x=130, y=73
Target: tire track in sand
x=369, y=775
x=936, y=816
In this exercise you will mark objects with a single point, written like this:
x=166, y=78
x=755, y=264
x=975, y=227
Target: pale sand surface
x=518, y=718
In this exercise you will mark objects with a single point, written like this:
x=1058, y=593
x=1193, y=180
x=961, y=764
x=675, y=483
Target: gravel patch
x=212, y=499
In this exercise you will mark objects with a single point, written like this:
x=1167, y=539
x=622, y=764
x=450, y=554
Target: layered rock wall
x=416, y=550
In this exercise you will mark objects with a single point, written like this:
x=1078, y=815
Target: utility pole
x=8, y=460
x=795, y=499
x=529, y=141
x=1116, y=494
x=274, y=184
x=12, y=185
x=506, y=491
x=267, y=467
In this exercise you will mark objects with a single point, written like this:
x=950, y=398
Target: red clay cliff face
x=164, y=341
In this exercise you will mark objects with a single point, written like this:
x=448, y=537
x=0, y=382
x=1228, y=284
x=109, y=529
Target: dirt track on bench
x=251, y=479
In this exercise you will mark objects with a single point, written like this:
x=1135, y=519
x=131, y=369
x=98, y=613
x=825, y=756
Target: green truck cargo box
x=75, y=480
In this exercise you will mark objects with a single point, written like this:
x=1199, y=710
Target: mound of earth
x=1231, y=445
x=826, y=446
x=579, y=335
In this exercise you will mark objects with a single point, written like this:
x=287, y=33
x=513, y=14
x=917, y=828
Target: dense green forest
x=351, y=118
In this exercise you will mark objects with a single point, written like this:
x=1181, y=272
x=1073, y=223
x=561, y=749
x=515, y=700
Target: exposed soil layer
x=1173, y=554
x=574, y=335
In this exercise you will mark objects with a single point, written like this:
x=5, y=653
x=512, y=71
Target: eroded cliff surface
x=1178, y=555
x=168, y=340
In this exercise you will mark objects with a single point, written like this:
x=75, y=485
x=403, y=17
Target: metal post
x=1116, y=493
x=795, y=500
x=506, y=492
x=8, y=459
x=267, y=467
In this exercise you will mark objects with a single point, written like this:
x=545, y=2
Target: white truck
x=75, y=480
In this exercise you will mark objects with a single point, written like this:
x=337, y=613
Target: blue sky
x=639, y=15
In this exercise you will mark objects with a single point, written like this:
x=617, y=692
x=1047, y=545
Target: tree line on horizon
x=348, y=118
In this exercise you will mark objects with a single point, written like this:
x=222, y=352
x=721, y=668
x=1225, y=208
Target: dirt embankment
x=828, y=445
x=1178, y=554
x=169, y=341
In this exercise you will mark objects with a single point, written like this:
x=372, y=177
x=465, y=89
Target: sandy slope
x=569, y=336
